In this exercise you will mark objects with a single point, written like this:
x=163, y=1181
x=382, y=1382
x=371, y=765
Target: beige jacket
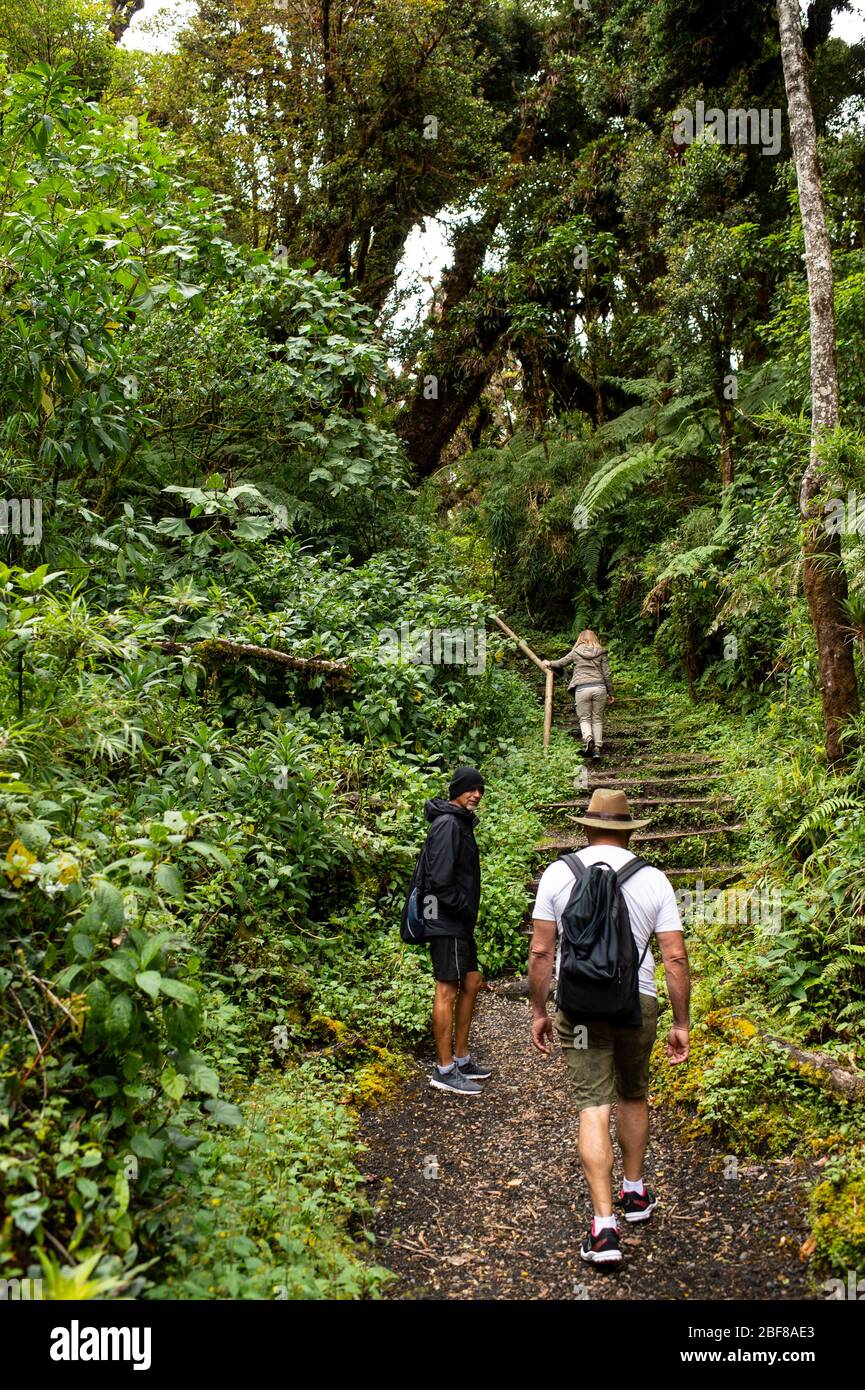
x=590, y=664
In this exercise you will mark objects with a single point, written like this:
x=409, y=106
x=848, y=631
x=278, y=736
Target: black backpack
x=412, y=924
x=599, y=970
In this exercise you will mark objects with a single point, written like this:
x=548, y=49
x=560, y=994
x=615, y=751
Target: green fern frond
x=631, y=424
x=820, y=819
x=691, y=563
x=680, y=410
x=590, y=549
x=612, y=482
x=646, y=388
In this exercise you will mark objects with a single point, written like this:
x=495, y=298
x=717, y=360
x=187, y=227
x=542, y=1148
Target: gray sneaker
x=455, y=1082
x=475, y=1071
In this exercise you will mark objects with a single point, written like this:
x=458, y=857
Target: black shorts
x=453, y=957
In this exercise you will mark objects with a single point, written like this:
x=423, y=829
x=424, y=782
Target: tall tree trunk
x=122, y=14
x=461, y=359
x=721, y=348
x=824, y=579
x=460, y=362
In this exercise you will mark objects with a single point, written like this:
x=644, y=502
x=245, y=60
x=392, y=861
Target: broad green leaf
x=203, y=1077
x=210, y=852
x=64, y=980
x=152, y=947
x=27, y=1217
x=172, y=1084
x=103, y=1086
x=169, y=880
x=110, y=903
x=121, y=967
x=121, y=1191
x=223, y=1113
x=149, y=981
x=143, y=1146
x=175, y=989
x=34, y=836
x=119, y=1016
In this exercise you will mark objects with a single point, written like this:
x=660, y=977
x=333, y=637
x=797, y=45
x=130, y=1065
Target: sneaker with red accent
x=638, y=1206
x=603, y=1248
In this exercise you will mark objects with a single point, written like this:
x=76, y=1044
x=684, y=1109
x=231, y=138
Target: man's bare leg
x=443, y=1020
x=596, y=1156
x=632, y=1129
x=469, y=988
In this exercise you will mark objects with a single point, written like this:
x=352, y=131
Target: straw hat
x=609, y=810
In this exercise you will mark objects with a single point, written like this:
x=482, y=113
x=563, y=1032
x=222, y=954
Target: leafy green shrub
x=275, y=1208
x=837, y=1214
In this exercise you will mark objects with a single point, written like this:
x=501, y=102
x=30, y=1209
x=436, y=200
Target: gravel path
x=508, y=1209
x=485, y=1198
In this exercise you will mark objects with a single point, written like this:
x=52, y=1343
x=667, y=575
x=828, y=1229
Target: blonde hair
x=588, y=636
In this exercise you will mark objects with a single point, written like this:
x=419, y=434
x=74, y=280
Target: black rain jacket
x=451, y=870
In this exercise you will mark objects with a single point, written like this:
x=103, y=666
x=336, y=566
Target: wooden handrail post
x=548, y=675
x=548, y=709
x=523, y=646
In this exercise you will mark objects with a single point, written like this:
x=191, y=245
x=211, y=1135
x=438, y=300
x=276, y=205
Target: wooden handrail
x=548, y=674
x=548, y=709
x=523, y=646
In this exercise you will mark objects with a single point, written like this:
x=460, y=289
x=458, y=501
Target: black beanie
x=465, y=779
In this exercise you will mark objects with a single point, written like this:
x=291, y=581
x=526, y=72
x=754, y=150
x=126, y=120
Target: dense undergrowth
x=202, y=876
x=777, y=955
x=203, y=848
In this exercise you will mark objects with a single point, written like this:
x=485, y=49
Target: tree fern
x=615, y=478
x=631, y=424
x=691, y=563
x=647, y=388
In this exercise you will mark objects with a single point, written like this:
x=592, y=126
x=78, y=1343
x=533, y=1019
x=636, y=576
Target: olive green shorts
x=606, y=1062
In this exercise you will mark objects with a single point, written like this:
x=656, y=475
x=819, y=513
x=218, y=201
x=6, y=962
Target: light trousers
x=590, y=704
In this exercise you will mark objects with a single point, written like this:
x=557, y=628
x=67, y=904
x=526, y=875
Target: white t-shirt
x=650, y=896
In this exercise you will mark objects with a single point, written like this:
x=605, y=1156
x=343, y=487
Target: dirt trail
x=486, y=1199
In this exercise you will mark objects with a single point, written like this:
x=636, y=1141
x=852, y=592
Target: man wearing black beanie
x=452, y=891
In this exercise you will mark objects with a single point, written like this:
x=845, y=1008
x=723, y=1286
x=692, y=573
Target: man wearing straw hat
x=607, y=1063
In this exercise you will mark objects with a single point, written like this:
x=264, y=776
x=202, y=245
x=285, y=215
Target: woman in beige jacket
x=591, y=685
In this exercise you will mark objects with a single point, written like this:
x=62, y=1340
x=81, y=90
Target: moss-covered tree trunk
x=824, y=578
x=122, y=14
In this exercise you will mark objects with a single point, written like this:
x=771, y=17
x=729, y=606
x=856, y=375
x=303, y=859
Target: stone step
x=613, y=739
x=644, y=836
x=641, y=735
x=609, y=779
x=647, y=801
x=728, y=872
x=637, y=699
x=681, y=763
